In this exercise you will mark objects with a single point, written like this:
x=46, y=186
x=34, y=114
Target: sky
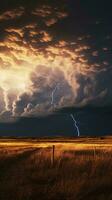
x=55, y=59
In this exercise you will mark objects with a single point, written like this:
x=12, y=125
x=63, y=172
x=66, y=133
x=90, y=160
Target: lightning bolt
x=71, y=115
x=53, y=93
x=75, y=123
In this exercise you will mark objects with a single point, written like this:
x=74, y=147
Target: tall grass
x=28, y=174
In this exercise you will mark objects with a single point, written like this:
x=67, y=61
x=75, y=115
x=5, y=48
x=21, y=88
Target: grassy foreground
x=82, y=169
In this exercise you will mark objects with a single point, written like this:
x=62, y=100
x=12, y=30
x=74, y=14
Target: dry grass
x=26, y=173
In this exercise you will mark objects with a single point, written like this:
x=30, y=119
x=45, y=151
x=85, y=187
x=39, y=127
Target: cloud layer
x=38, y=51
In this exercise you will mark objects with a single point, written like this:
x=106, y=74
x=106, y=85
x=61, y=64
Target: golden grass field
x=82, y=169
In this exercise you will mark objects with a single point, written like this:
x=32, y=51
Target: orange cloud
x=12, y=14
x=51, y=21
x=33, y=59
x=17, y=31
x=45, y=37
x=43, y=11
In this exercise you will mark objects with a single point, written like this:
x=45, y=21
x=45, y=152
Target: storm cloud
x=46, y=43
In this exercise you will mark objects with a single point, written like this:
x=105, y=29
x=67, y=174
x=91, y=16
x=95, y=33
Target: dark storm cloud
x=74, y=36
x=40, y=97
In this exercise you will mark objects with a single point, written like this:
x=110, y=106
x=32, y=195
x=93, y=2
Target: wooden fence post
x=53, y=155
x=94, y=152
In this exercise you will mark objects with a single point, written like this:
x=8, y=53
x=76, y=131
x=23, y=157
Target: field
x=75, y=169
